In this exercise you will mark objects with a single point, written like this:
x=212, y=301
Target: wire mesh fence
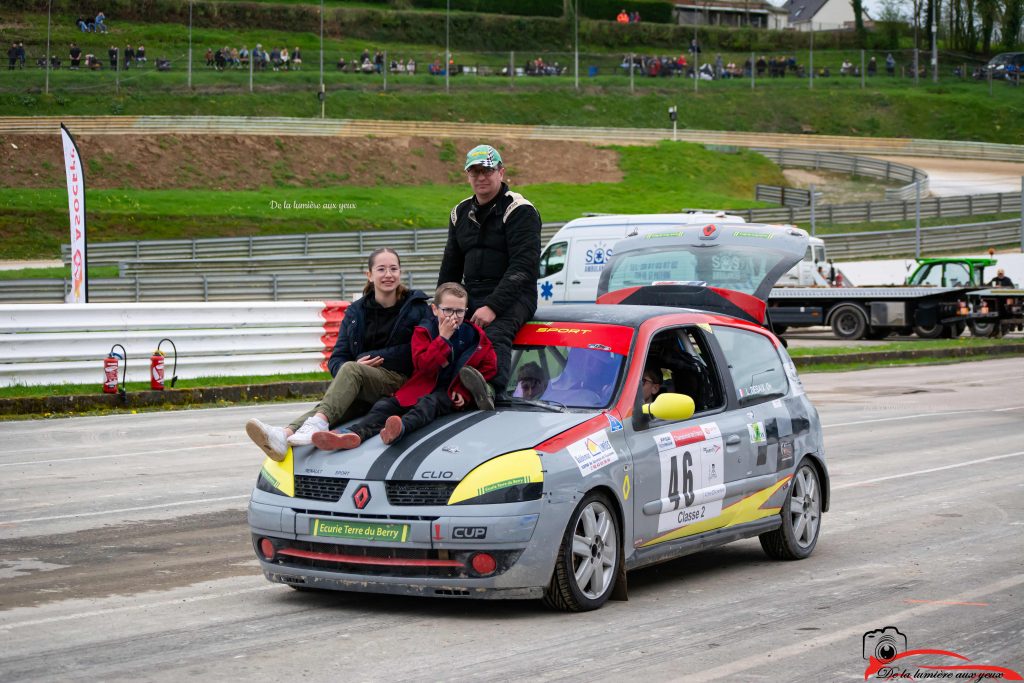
x=104, y=68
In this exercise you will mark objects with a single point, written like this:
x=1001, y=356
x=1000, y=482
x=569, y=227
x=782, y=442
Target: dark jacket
x=431, y=353
x=496, y=258
x=396, y=354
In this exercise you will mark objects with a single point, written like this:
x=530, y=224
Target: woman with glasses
x=371, y=359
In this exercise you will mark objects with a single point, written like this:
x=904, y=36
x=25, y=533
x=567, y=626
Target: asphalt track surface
x=124, y=555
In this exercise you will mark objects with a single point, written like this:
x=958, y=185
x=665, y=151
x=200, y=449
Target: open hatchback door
x=720, y=268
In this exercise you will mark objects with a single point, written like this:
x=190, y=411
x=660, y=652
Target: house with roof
x=753, y=13
x=821, y=14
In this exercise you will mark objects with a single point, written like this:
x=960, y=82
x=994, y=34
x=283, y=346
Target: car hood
x=446, y=449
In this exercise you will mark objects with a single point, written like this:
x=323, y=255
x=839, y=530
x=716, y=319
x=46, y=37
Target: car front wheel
x=801, y=518
x=589, y=558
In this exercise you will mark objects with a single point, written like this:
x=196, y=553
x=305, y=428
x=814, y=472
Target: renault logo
x=361, y=497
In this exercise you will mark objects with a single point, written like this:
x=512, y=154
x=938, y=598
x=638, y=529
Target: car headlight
x=277, y=477
x=510, y=478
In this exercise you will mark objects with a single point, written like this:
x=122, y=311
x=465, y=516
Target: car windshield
x=739, y=268
x=571, y=365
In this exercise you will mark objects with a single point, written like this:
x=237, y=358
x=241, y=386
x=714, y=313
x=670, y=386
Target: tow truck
x=994, y=311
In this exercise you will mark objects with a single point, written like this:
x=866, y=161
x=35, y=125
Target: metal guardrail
x=854, y=165
x=198, y=287
x=305, y=244
x=787, y=196
x=320, y=285
x=225, y=125
x=350, y=265
x=888, y=210
x=937, y=239
x=44, y=344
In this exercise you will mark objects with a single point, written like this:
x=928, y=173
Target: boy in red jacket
x=447, y=353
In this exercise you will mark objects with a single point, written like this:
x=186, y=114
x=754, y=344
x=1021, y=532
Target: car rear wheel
x=589, y=558
x=801, y=518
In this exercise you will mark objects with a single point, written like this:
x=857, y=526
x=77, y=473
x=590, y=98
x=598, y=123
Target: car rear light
x=267, y=549
x=483, y=564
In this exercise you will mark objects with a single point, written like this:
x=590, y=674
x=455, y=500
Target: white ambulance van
x=571, y=263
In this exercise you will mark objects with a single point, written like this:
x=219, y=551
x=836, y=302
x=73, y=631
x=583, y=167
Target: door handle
x=732, y=440
x=576, y=282
x=558, y=282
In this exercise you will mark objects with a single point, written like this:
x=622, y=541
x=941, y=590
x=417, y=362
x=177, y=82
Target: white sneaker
x=271, y=439
x=304, y=436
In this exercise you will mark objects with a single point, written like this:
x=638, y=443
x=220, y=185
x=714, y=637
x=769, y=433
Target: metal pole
x=447, y=52
x=917, y=65
x=917, y=219
x=752, y=69
x=512, y=68
x=1022, y=214
x=47, y=55
x=810, y=82
x=632, y=56
x=935, y=46
x=322, y=91
x=814, y=225
x=190, y=50
x=862, y=69
x=576, y=34
x=117, y=70
x=252, y=60
x=386, y=68
x=696, y=53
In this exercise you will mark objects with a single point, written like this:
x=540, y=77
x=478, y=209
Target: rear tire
x=930, y=331
x=980, y=329
x=801, y=518
x=849, y=322
x=589, y=558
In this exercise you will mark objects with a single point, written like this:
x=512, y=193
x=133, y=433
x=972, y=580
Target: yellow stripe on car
x=746, y=510
x=511, y=469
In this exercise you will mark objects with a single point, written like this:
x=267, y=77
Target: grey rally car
x=574, y=480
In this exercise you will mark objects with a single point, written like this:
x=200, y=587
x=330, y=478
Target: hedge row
x=469, y=32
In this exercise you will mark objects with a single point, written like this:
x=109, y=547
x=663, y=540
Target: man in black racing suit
x=493, y=249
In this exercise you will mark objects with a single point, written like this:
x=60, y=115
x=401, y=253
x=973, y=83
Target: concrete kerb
x=872, y=356
x=196, y=396
x=294, y=391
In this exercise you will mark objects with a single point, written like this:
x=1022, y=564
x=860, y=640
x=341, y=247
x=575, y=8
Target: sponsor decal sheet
x=692, y=475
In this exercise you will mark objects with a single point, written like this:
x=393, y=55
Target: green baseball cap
x=483, y=155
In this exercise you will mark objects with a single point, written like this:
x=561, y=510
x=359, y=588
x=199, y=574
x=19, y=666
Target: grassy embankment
x=954, y=109
x=666, y=177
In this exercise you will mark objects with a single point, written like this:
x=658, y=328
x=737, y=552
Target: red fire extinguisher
x=110, y=370
x=156, y=367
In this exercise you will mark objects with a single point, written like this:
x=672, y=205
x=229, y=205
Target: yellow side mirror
x=670, y=407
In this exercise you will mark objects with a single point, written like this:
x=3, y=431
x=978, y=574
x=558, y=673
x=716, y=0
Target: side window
x=755, y=366
x=957, y=275
x=931, y=277
x=687, y=367
x=553, y=259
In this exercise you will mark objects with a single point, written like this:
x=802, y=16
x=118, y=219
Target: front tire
x=589, y=558
x=849, y=322
x=801, y=518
